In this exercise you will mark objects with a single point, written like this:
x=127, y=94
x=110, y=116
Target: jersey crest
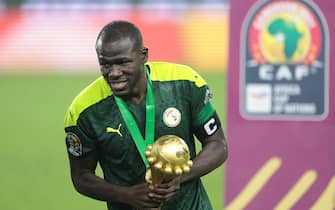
x=172, y=117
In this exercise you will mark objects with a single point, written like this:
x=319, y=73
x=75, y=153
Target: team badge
x=171, y=117
x=73, y=144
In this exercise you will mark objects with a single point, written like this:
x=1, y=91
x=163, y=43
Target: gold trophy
x=168, y=157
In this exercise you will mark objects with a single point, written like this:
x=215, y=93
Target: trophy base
x=152, y=180
x=155, y=176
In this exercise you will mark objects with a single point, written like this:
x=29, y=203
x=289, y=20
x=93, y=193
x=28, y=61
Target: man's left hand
x=163, y=192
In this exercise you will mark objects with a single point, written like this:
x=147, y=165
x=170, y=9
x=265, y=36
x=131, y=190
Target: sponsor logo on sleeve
x=208, y=96
x=74, y=145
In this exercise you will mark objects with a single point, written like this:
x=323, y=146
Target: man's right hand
x=137, y=196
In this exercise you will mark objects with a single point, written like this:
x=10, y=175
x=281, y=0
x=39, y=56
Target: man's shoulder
x=168, y=67
x=90, y=95
x=166, y=71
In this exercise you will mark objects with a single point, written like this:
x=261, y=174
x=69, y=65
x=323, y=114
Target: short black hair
x=118, y=30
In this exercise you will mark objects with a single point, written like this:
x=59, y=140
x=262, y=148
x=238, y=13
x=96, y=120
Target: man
x=133, y=103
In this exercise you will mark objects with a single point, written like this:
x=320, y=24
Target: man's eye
x=120, y=63
x=124, y=62
x=106, y=66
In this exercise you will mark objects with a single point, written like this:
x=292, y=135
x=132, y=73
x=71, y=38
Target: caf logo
x=284, y=61
x=284, y=32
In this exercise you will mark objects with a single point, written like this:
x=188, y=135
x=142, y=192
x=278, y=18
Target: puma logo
x=113, y=130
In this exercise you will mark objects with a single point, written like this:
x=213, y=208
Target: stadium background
x=47, y=55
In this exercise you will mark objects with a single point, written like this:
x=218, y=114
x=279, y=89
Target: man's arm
x=214, y=153
x=87, y=183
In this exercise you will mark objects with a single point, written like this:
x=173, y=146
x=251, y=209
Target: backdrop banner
x=26, y=34
x=281, y=119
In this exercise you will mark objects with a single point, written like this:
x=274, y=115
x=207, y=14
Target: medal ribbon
x=141, y=144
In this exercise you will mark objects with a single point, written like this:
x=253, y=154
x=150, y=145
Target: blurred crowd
x=38, y=3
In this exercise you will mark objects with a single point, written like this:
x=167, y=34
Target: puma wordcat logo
x=113, y=130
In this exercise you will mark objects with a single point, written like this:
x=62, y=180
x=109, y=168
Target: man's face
x=122, y=66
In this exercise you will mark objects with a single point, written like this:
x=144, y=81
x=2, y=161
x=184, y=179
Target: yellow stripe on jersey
x=99, y=89
x=174, y=72
x=92, y=94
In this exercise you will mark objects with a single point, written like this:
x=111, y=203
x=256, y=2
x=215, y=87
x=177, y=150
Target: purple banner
x=281, y=120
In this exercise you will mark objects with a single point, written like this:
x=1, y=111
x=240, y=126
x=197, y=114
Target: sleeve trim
x=204, y=114
x=91, y=95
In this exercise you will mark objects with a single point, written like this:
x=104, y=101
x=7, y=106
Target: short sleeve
x=202, y=107
x=205, y=121
x=79, y=142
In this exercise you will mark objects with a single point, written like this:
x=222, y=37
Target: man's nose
x=115, y=70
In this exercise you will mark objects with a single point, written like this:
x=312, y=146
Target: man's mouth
x=118, y=84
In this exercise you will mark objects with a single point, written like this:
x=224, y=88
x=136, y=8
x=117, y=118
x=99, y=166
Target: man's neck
x=139, y=93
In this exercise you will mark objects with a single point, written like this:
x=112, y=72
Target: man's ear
x=145, y=54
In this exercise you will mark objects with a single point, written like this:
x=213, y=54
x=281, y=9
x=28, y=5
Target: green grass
x=34, y=165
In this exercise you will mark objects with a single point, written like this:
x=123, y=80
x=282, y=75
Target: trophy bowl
x=168, y=157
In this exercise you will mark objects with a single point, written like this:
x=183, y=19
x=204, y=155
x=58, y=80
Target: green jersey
x=93, y=123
